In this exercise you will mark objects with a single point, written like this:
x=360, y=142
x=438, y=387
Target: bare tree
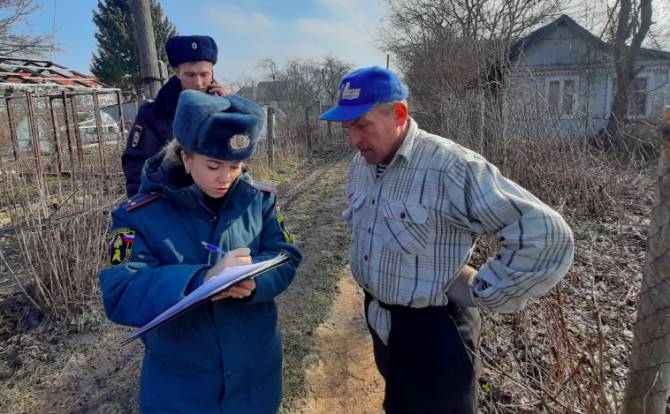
x=300, y=82
x=269, y=65
x=631, y=26
x=330, y=71
x=444, y=47
x=14, y=13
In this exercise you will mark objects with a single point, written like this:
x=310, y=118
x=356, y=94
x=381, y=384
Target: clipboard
x=203, y=293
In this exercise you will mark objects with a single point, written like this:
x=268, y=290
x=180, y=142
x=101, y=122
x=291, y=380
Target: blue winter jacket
x=150, y=132
x=221, y=357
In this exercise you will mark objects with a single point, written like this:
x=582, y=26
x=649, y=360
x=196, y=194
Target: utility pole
x=146, y=46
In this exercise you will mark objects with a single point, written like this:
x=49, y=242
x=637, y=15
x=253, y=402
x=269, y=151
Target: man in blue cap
x=417, y=204
x=192, y=59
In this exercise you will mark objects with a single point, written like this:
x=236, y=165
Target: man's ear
x=401, y=112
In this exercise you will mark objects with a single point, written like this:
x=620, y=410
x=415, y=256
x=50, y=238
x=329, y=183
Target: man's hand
x=237, y=257
x=461, y=288
x=216, y=89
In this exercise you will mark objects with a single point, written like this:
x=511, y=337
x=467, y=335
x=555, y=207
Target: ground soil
x=342, y=377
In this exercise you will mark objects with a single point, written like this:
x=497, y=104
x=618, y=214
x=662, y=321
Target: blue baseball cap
x=361, y=90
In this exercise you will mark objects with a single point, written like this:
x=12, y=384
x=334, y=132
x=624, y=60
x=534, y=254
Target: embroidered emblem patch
x=194, y=46
x=348, y=93
x=282, y=225
x=137, y=134
x=239, y=141
x=121, y=246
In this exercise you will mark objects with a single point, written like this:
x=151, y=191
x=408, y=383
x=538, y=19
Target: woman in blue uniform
x=223, y=356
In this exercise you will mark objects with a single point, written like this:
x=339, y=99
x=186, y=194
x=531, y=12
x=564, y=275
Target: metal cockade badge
x=239, y=141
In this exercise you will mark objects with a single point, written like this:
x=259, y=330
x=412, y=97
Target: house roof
x=26, y=73
x=527, y=42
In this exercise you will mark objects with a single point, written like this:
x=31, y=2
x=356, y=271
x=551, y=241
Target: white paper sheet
x=216, y=284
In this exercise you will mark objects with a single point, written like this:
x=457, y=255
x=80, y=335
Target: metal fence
x=64, y=133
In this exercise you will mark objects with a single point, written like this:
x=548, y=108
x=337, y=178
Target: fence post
x=77, y=133
x=12, y=134
x=66, y=118
x=101, y=134
x=317, y=127
x=34, y=132
x=122, y=120
x=54, y=126
x=270, y=137
x=308, y=130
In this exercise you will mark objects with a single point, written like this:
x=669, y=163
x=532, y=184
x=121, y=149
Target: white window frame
x=561, y=94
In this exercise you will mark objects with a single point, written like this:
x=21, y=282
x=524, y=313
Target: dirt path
x=342, y=377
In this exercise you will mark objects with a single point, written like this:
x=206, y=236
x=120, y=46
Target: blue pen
x=212, y=247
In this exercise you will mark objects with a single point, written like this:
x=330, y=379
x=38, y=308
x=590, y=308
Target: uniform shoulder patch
x=139, y=200
x=268, y=188
x=136, y=135
x=120, y=246
x=281, y=220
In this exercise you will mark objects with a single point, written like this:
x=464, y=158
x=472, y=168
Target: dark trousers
x=431, y=362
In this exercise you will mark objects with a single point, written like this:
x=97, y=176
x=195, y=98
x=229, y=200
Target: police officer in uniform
x=225, y=355
x=192, y=59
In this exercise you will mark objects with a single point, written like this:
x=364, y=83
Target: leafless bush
x=59, y=225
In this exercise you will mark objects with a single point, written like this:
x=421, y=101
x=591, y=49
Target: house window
x=637, y=102
x=638, y=97
x=561, y=96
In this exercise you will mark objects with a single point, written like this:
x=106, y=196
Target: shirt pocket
x=352, y=214
x=408, y=227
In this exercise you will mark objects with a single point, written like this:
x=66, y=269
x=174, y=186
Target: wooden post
x=68, y=133
x=308, y=131
x=77, y=135
x=34, y=132
x=54, y=126
x=101, y=134
x=270, y=137
x=12, y=134
x=122, y=120
x=146, y=46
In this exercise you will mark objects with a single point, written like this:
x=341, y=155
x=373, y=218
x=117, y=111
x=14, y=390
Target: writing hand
x=237, y=257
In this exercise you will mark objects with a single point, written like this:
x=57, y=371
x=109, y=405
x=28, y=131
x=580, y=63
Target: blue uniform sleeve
x=273, y=242
x=137, y=287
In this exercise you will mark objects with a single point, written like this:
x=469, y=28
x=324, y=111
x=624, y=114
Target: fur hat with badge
x=182, y=49
x=221, y=127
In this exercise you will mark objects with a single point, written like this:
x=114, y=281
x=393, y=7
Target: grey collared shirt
x=414, y=228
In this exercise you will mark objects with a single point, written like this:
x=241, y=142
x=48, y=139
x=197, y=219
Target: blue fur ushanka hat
x=221, y=127
x=182, y=49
